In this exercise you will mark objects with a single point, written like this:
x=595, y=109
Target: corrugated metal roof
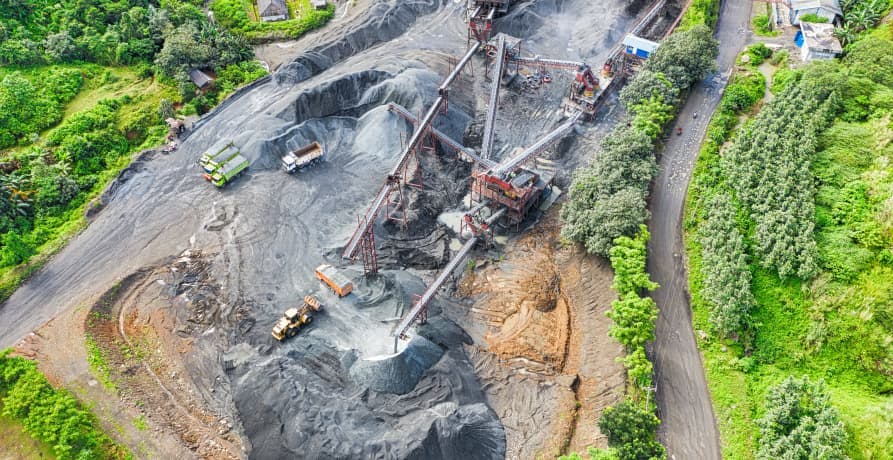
x=820, y=37
x=830, y=5
x=199, y=78
x=640, y=43
x=268, y=8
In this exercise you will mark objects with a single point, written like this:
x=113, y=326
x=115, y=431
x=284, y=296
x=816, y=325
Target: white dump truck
x=301, y=158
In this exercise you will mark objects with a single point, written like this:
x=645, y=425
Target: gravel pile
x=399, y=373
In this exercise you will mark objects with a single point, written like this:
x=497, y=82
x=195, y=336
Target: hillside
x=789, y=228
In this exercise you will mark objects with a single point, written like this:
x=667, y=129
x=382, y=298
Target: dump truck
x=228, y=171
x=334, y=279
x=305, y=156
x=210, y=162
x=295, y=318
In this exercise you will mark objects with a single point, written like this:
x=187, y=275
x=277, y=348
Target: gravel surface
x=267, y=231
x=688, y=427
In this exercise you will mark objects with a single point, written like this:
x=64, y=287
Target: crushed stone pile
x=398, y=373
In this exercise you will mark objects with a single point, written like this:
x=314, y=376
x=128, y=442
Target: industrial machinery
x=480, y=17
x=336, y=280
x=295, y=318
x=211, y=161
x=301, y=158
x=227, y=172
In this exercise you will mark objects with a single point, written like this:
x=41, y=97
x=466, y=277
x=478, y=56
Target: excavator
x=295, y=318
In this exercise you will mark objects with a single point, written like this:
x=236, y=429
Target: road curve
x=688, y=427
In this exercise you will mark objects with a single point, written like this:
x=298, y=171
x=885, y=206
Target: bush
x=50, y=415
x=814, y=18
x=633, y=315
x=743, y=92
x=762, y=27
x=631, y=431
x=799, y=423
x=758, y=53
x=700, y=12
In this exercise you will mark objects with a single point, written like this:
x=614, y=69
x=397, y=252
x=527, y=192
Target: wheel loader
x=295, y=318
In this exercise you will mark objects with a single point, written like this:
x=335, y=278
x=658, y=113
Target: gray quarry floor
x=269, y=230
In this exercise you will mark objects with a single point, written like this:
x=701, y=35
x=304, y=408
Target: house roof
x=830, y=5
x=820, y=37
x=640, y=43
x=272, y=8
x=199, y=78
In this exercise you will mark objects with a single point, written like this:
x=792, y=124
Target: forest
x=788, y=232
x=84, y=84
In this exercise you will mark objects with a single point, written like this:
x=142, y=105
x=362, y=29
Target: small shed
x=828, y=9
x=319, y=4
x=200, y=79
x=638, y=46
x=272, y=10
x=819, y=42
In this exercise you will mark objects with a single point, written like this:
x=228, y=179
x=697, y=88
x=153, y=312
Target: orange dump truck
x=334, y=279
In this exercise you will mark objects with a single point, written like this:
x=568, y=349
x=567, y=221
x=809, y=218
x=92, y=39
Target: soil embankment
x=541, y=347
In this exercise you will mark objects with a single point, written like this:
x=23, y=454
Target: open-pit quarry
x=176, y=284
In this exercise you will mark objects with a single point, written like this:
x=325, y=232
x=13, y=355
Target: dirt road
x=689, y=429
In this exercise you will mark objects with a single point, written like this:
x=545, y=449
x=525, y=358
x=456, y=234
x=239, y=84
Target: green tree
x=608, y=198
x=800, y=423
x=728, y=282
x=631, y=430
x=686, y=57
x=645, y=85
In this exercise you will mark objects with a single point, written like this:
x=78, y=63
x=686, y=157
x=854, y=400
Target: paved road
x=689, y=428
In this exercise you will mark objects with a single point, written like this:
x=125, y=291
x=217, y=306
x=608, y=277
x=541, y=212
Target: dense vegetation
x=241, y=17
x=700, y=12
x=85, y=84
x=789, y=230
x=608, y=198
x=633, y=315
x=800, y=423
x=50, y=415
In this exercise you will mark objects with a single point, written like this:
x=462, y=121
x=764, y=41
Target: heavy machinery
x=584, y=92
x=305, y=156
x=480, y=17
x=227, y=172
x=295, y=318
x=339, y=283
x=210, y=162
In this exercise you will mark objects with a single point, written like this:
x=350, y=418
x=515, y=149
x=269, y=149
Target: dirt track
x=688, y=427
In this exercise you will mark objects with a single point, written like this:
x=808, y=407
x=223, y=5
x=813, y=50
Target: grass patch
x=98, y=364
x=140, y=423
x=242, y=17
x=762, y=27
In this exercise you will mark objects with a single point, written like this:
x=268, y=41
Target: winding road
x=688, y=427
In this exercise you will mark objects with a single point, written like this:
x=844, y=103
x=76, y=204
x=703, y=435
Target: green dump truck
x=210, y=162
x=229, y=171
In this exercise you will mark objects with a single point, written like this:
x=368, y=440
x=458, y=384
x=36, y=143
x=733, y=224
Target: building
x=818, y=42
x=272, y=10
x=319, y=4
x=638, y=46
x=200, y=79
x=828, y=9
